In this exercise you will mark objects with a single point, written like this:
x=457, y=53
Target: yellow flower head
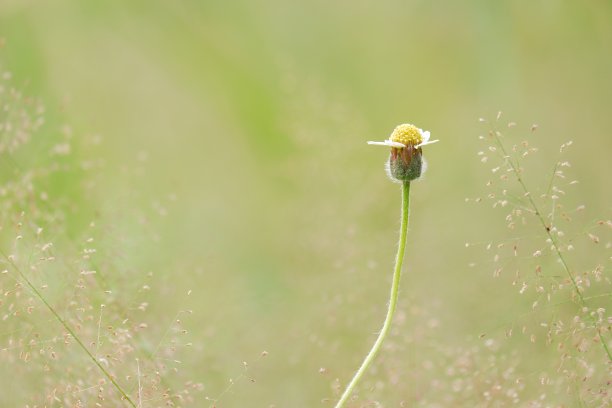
x=407, y=134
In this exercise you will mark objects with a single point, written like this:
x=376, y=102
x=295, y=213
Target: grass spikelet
x=568, y=302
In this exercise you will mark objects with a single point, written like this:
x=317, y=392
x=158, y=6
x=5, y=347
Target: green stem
x=392, y=300
x=69, y=330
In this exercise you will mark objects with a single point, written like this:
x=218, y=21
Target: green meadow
x=188, y=186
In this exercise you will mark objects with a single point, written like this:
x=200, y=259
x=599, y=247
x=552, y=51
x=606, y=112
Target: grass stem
x=548, y=229
x=68, y=329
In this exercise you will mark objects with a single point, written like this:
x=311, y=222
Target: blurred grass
x=255, y=115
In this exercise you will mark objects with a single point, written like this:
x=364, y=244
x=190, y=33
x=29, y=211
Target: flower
x=406, y=161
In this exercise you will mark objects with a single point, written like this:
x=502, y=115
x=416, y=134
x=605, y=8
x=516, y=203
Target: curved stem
x=392, y=300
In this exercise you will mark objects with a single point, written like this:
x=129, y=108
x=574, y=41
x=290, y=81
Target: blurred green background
x=241, y=127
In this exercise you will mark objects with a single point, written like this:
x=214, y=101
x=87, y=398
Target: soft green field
x=220, y=149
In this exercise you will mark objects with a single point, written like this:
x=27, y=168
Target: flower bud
x=405, y=164
x=406, y=161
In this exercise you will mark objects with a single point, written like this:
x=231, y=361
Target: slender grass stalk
x=553, y=240
x=68, y=329
x=392, y=300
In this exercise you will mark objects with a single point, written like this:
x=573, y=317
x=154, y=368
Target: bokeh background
x=238, y=131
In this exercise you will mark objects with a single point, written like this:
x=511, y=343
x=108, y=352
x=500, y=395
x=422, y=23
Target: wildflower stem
x=68, y=329
x=392, y=300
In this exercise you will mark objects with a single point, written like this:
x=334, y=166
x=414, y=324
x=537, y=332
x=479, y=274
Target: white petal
x=426, y=135
x=388, y=143
x=396, y=144
x=427, y=143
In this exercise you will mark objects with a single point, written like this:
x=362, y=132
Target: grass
x=187, y=185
